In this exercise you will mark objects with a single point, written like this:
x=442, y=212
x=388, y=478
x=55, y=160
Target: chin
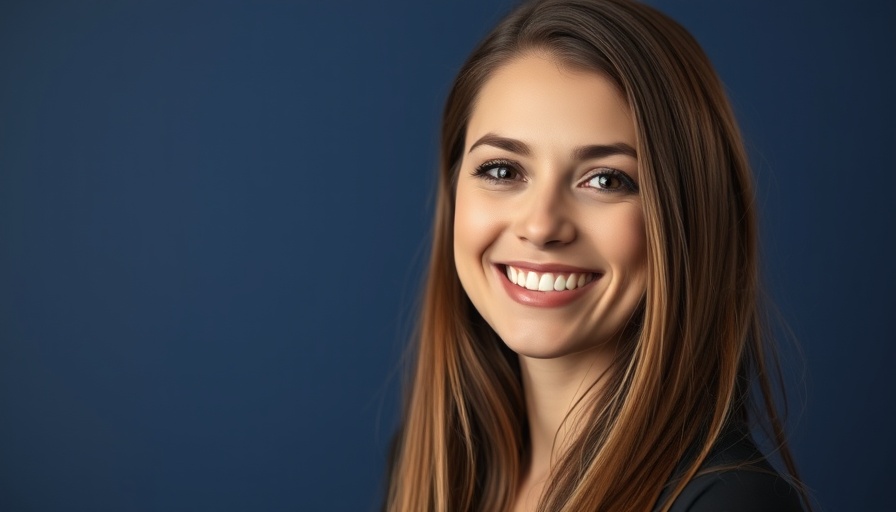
x=547, y=343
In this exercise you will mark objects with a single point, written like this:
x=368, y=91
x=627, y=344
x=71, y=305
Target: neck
x=555, y=392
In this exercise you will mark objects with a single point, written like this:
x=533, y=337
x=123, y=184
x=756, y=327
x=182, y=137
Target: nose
x=544, y=220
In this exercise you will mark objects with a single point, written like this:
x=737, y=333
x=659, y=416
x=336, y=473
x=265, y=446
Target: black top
x=734, y=478
x=737, y=479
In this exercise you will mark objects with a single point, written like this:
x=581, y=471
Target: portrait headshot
x=504, y=255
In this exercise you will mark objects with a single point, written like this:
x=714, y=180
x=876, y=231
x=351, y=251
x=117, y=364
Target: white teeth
x=560, y=283
x=532, y=281
x=547, y=281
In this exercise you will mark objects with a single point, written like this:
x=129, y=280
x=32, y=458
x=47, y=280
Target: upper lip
x=547, y=267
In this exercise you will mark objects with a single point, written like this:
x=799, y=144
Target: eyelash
x=627, y=185
x=483, y=170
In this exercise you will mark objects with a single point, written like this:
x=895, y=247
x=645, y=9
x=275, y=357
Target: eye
x=498, y=171
x=611, y=180
x=606, y=181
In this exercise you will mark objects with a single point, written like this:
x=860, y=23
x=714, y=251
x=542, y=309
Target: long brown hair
x=697, y=347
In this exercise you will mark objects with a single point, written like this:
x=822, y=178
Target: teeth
x=532, y=281
x=560, y=285
x=547, y=281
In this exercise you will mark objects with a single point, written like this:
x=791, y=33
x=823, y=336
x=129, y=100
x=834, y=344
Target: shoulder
x=740, y=490
x=736, y=478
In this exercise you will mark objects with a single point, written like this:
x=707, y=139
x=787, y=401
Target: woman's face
x=549, y=237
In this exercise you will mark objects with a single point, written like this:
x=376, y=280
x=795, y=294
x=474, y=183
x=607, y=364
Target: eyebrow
x=581, y=153
x=514, y=146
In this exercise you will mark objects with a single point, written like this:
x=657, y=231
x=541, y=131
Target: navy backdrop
x=213, y=218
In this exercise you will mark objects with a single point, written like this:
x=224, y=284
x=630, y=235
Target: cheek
x=625, y=242
x=476, y=225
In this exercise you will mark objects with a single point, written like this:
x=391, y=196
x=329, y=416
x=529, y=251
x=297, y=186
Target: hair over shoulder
x=696, y=348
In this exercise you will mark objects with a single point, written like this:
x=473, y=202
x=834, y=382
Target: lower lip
x=539, y=299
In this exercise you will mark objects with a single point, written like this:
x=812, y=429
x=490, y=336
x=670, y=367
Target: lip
x=536, y=298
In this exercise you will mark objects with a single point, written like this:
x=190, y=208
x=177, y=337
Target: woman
x=590, y=335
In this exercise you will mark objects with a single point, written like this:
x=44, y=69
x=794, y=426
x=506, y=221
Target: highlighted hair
x=696, y=347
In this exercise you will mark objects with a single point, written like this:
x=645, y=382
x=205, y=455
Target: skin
x=527, y=194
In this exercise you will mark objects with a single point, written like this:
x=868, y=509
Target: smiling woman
x=590, y=335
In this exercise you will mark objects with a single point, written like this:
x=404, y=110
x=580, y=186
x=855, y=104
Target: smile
x=547, y=281
x=545, y=285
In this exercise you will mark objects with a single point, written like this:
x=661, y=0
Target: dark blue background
x=213, y=219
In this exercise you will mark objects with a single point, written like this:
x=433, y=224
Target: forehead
x=535, y=98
